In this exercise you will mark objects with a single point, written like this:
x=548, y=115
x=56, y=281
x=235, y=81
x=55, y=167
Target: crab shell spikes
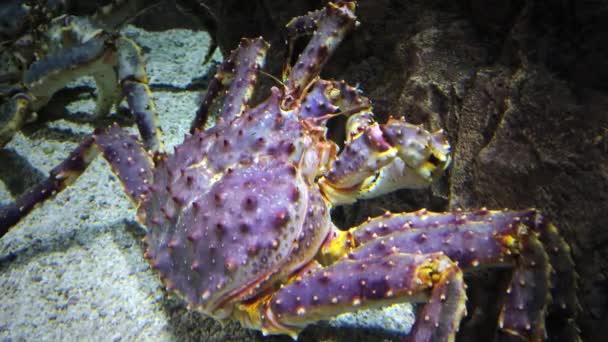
x=128, y=159
x=248, y=58
x=349, y=285
x=333, y=23
x=224, y=254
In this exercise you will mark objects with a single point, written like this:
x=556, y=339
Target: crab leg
x=126, y=155
x=520, y=239
x=564, y=297
x=360, y=283
x=378, y=159
x=134, y=83
x=239, y=71
x=332, y=24
x=296, y=28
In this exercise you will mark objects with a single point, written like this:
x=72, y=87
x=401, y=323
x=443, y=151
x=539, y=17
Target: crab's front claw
x=379, y=159
x=426, y=153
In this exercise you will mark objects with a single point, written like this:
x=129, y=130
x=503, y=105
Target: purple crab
x=238, y=216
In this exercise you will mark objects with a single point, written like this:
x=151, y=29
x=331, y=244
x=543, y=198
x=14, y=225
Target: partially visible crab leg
x=377, y=159
x=520, y=239
x=60, y=177
x=134, y=84
x=239, y=72
x=100, y=56
x=46, y=76
x=332, y=24
x=296, y=28
x=125, y=153
x=360, y=283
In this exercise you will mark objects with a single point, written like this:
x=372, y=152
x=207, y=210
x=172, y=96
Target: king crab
x=45, y=48
x=238, y=220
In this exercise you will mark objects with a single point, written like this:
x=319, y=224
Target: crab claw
x=427, y=154
x=379, y=159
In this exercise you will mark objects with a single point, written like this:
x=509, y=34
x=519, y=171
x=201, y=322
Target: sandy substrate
x=73, y=269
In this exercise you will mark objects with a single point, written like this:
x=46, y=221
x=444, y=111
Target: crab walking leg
x=249, y=58
x=353, y=284
x=239, y=73
x=126, y=155
x=520, y=239
x=378, y=159
x=332, y=25
x=134, y=84
x=60, y=177
x=296, y=28
x=563, y=277
x=216, y=85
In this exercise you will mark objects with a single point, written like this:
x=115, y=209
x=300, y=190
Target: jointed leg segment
x=358, y=283
x=125, y=153
x=238, y=73
x=543, y=270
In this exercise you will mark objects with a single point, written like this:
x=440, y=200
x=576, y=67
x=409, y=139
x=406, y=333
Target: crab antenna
x=348, y=112
x=274, y=78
